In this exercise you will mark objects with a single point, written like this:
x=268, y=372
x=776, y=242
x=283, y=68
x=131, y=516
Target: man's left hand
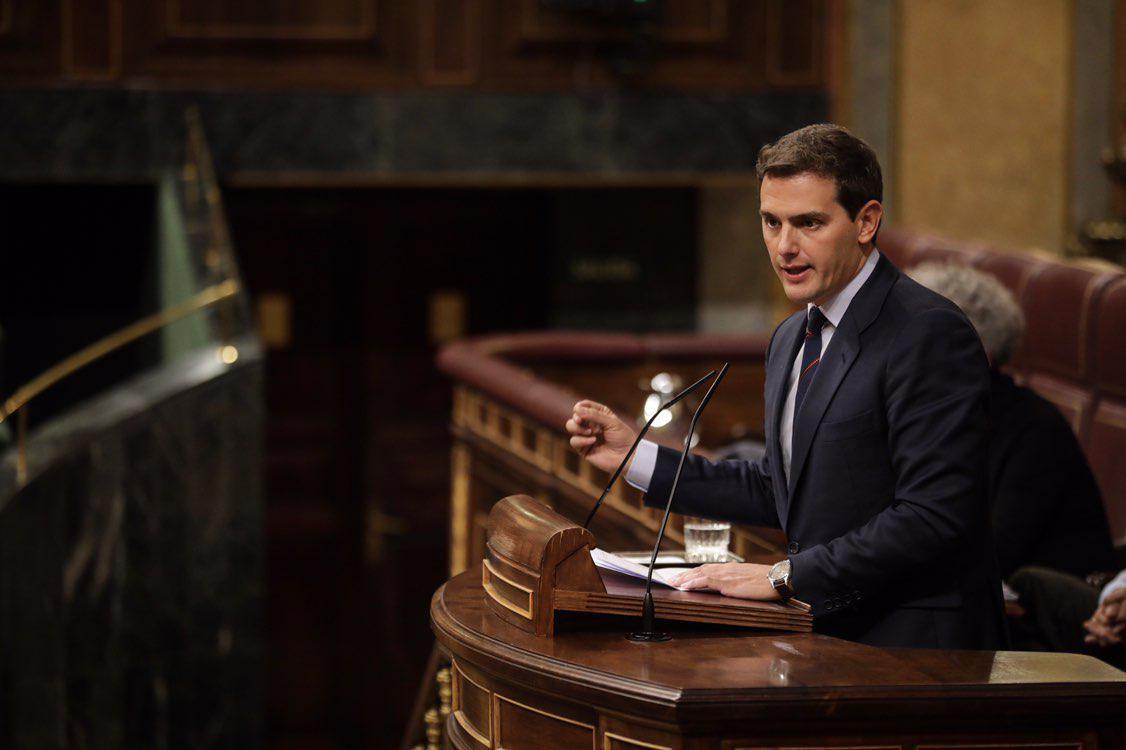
x=741, y=580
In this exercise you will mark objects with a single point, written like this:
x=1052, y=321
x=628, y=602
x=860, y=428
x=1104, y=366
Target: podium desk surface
x=708, y=672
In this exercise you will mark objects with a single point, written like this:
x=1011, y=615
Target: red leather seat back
x=941, y=250
x=897, y=245
x=1059, y=308
x=1015, y=271
x=1106, y=445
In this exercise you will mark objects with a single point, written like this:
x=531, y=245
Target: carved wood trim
x=428, y=71
x=483, y=417
x=608, y=739
x=497, y=698
x=776, y=75
x=459, y=714
x=488, y=573
x=7, y=12
x=176, y=28
x=115, y=43
x=533, y=31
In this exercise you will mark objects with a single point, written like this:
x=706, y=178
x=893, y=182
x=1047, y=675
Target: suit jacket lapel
x=838, y=358
x=834, y=364
x=790, y=337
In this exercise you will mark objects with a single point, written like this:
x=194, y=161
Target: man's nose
x=787, y=240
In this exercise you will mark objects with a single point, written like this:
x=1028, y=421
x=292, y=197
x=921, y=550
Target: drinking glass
x=706, y=540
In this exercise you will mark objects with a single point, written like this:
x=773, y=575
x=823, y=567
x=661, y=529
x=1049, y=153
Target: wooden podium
x=538, y=563
x=709, y=688
x=521, y=683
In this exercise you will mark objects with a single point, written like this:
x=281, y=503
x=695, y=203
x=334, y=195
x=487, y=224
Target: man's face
x=814, y=246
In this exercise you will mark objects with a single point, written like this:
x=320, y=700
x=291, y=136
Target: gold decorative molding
x=608, y=739
x=488, y=573
x=551, y=453
x=467, y=726
x=497, y=698
x=460, y=716
x=459, y=505
x=445, y=691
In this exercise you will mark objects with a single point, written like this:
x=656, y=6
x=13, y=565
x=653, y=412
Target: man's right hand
x=599, y=435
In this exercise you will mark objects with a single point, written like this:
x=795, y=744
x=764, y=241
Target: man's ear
x=868, y=221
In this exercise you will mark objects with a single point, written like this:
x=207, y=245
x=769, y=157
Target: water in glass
x=706, y=541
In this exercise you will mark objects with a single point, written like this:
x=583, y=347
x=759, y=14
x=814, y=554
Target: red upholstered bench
x=1074, y=352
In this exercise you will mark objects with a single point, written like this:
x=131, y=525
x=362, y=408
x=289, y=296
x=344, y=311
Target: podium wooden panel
x=589, y=688
x=538, y=563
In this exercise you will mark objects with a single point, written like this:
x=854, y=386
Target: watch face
x=780, y=575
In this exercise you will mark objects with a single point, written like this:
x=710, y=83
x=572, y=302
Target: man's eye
x=773, y=223
x=811, y=223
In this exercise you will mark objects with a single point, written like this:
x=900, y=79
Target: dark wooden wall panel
x=270, y=44
x=449, y=43
x=29, y=38
x=519, y=45
x=91, y=39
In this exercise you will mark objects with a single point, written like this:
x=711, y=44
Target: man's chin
x=799, y=294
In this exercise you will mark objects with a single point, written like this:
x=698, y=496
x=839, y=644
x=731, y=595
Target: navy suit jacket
x=884, y=510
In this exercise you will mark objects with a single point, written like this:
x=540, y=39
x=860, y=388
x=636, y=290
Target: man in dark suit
x=876, y=395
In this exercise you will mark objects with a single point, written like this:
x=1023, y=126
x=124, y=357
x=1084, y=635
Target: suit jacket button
x=793, y=548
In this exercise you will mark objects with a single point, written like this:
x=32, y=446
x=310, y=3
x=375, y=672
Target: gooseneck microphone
x=641, y=434
x=647, y=633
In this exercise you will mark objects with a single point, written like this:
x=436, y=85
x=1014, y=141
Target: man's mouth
x=796, y=271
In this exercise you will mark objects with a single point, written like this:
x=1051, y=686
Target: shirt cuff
x=640, y=472
x=1119, y=582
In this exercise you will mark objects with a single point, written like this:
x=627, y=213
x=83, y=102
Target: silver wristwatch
x=779, y=576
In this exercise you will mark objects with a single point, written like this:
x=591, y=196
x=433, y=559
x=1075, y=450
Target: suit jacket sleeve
x=936, y=389
x=736, y=491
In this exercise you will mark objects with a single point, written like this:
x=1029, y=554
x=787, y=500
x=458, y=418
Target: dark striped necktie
x=811, y=355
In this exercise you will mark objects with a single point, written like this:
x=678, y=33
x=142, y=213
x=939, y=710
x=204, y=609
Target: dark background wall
x=396, y=173
x=518, y=45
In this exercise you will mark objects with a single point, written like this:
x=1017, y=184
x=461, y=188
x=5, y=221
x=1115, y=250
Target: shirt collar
x=835, y=308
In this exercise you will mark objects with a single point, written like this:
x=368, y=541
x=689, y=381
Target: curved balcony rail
x=513, y=394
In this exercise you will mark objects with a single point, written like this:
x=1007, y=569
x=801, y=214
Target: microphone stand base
x=649, y=636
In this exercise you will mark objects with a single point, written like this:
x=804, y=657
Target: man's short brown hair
x=829, y=151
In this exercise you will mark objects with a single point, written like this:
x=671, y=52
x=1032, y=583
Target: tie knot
x=816, y=320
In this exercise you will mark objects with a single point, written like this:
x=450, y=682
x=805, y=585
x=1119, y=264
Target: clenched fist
x=599, y=435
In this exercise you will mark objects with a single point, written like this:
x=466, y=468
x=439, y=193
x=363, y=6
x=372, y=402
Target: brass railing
x=201, y=190
x=17, y=404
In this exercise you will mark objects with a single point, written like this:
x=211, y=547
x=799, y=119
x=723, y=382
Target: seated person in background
x=1066, y=613
x=1044, y=503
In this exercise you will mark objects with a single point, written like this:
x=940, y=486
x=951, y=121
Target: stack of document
x=610, y=561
